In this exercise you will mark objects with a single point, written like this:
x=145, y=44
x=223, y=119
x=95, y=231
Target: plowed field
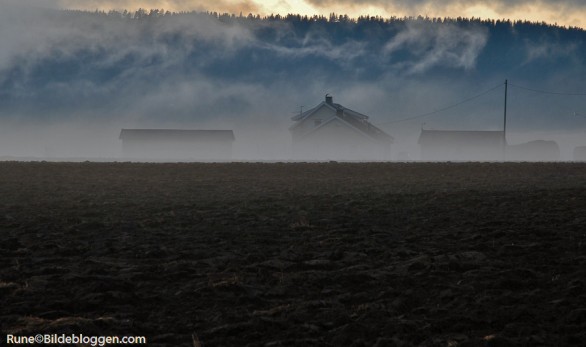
x=332, y=254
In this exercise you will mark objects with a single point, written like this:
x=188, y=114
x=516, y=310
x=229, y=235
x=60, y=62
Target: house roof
x=333, y=106
x=460, y=137
x=176, y=134
x=355, y=119
x=369, y=129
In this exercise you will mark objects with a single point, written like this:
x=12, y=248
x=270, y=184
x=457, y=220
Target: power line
x=547, y=92
x=442, y=109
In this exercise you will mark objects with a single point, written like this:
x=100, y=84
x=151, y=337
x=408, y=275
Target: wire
x=443, y=109
x=546, y=92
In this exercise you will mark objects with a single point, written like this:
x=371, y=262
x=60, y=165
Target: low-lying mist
x=70, y=80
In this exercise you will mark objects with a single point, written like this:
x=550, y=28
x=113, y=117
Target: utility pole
x=505, y=122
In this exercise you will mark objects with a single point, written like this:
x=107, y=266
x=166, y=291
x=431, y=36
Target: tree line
x=144, y=14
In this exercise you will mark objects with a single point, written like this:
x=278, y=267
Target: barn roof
x=176, y=134
x=460, y=137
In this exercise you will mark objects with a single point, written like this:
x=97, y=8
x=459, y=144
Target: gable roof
x=333, y=107
x=460, y=137
x=355, y=119
x=176, y=135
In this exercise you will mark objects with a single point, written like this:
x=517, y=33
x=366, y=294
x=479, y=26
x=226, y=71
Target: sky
x=562, y=12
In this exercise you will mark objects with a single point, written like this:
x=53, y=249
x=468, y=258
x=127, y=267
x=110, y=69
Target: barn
x=177, y=144
x=455, y=145
x=539, y=150
x=330, y=131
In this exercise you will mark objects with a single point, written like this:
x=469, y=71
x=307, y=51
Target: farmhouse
x=332, y=131
x=182, y=145
x=450, y=145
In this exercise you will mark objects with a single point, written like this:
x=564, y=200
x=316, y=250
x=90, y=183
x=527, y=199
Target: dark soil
x=296, y=254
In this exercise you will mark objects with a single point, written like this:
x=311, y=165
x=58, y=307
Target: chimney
x=329, y=99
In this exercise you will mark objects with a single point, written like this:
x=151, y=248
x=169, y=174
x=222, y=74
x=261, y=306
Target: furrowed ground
x=283, y=254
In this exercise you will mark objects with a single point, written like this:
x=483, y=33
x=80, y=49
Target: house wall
x=579, y=153
x=324, y=114
x=461, y=152
x=534, y=151
x=177, y=150
x=337, y=141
